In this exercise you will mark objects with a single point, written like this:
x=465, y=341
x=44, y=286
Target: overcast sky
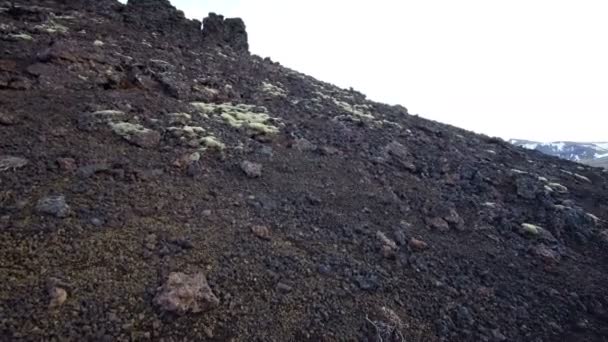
x=534, y=69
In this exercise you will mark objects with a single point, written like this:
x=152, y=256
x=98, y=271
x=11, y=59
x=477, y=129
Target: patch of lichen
x=51, y=27
x=126, y=129
x=253, y=118
x=358, y=112
x=273, y=90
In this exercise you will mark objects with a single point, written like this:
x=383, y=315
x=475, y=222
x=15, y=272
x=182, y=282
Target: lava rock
x=12, y=163
x=303, y=145
x=230, y=32
x=183, y=293
x=527, y=187
x=418, y=245
x=439, y=224
x=7, y=119
x=389, y=247
x=67, y=164
x=87, y=171
x=252, y=170
x=58, y=296
x=53, y=206
x=261, y=231
x=546, y=254
x=284, y=288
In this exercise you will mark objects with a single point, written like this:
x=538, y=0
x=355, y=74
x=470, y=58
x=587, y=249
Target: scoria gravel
x=170, y=186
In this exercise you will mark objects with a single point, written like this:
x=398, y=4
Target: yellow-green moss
x=273, y=90
x=212, y=142
x=240, y=116
x=126, y=129
x=21, y=36
x=51, y=27
x=531, y=229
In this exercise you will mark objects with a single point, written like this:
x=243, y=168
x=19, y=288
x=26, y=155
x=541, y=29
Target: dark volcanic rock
x=252, y=170
x=351, y=219
x=53, y=205
x=231, y=32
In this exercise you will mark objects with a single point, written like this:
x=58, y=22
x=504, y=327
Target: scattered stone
x=418, y=245
x=184, y=293
x=284, y=288
x=136, y=134
x=98, y=43
x=527, y=187
x=90, y=170
x=151, y=241
x=54, y=206
x=498, y=336
x=67, y=164
x=12, y=163
x=546, y=254
x=388, y=326
x=367, y=282
x=389, y=247
x=328, y=151
x=397, y=150
x=558, y=188
x=58, y=297
x=7, y=119
x=252, y=170
x=439, y=224
x=604, y=236
x=97, y=222
x=454, y=219
x=183, y=243
x=261, y=231
x=187, y=159
x=400, y=155
x=302, y=144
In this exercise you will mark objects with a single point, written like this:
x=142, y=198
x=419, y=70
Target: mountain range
x=591, y=153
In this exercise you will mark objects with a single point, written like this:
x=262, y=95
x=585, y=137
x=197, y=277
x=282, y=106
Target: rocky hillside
x=587, y=153
x=160, y=183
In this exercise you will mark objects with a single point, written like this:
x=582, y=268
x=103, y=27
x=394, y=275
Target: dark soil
x=323, y=217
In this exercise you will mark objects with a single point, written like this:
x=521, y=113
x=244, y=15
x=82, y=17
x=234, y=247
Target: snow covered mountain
x=576, y=151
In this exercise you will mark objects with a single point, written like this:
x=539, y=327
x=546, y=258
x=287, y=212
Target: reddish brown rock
x=418, y=245
x=58, y=296
x=183, y=293
x=261, y=231
x=438, y=223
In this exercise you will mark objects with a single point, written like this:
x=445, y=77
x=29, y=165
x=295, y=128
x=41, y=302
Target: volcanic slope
x=159, y=182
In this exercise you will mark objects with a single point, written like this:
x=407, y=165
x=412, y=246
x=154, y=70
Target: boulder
x=53, y=206
x=183, y=293
x=252, y=170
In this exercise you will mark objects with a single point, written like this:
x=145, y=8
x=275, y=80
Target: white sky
x=532, y=69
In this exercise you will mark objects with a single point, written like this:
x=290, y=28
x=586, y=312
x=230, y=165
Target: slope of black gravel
x=134, y=146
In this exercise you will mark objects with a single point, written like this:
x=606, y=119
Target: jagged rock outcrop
x=160, y=16
x=225, y=32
